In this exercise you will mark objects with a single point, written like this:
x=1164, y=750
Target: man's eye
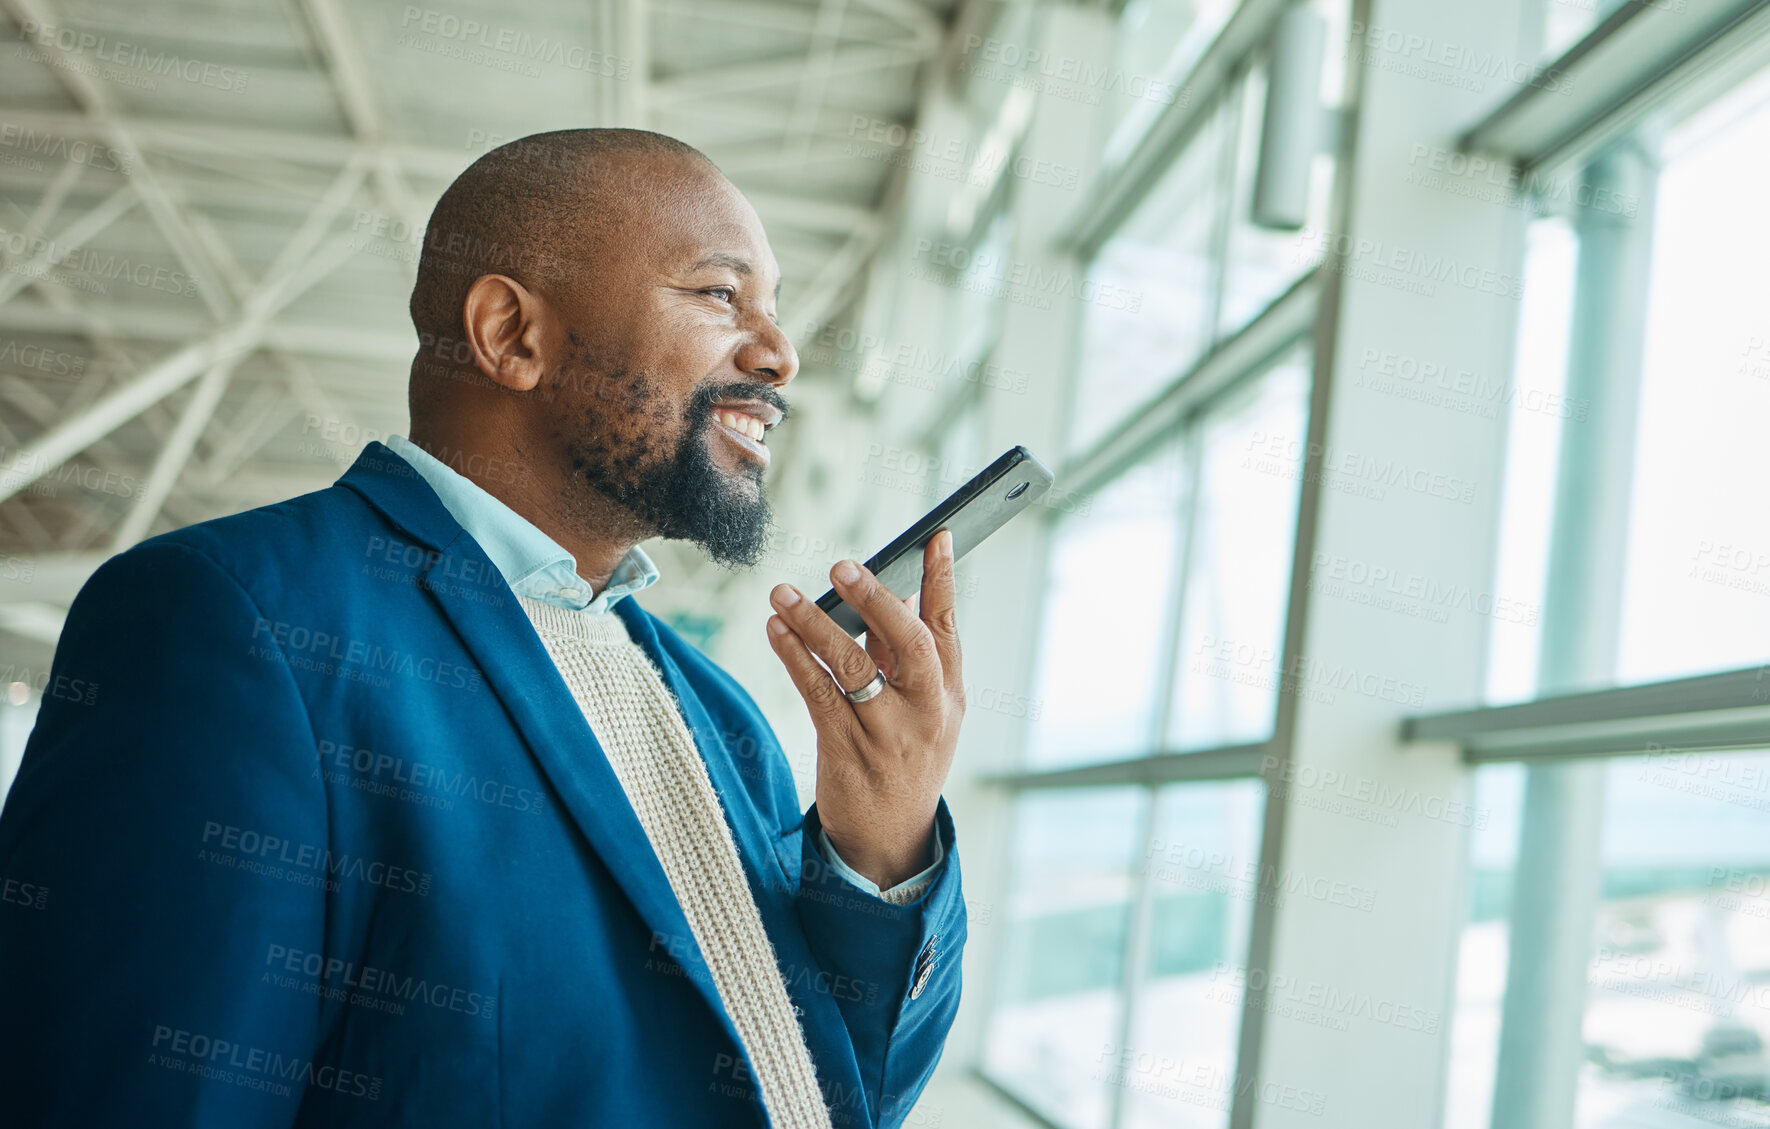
x=729, y=293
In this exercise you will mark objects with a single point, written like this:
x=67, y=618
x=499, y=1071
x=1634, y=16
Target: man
x=392, y=806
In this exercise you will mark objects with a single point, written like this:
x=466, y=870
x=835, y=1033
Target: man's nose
x=769, y=355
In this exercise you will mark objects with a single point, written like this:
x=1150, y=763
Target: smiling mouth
x=746, y=425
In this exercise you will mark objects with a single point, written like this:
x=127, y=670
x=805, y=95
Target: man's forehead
x=733, y=241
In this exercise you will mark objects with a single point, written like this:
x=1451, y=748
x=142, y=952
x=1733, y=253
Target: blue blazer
x=310, y=832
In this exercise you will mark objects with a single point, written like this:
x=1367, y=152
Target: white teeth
x=741, y=423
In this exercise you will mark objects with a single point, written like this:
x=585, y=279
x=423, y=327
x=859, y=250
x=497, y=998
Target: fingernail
x=847, y=572
x=777, y=625
x=946, y=543
x=786, y=595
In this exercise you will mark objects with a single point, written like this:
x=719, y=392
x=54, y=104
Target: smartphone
x=973, y=512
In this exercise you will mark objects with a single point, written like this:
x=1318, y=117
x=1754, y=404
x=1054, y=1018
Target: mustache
x=708, y=395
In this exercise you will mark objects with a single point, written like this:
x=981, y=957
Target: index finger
x=939, y=599
x=913, y=650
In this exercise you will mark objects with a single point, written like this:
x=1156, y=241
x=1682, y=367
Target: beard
x=683, y=495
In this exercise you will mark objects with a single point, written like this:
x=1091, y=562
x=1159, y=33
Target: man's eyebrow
x=736, y=263
x=724, y=259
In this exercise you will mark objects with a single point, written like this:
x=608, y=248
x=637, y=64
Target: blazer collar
x=515, y=664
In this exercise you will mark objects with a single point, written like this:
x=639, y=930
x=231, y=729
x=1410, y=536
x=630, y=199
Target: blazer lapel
x=517, y=667
x=820, y=1016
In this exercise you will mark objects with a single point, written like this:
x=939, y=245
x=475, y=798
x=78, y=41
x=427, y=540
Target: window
x=1660, y=850
x=1160, y=270
x=1201, y=864
x=1159, y=41
x=1188, y=269
x=1094, y=710
x=1060, y=989
x=1697, y=595
x=1677, y=996
x=1239, y=568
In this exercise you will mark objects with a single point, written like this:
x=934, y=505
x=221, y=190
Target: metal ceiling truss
x=210, y=384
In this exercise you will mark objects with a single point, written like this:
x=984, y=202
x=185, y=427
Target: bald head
x=530, y=209
x=598, y=307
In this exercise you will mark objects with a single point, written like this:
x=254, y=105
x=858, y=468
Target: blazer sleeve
x=906, y=955
x=165, y=821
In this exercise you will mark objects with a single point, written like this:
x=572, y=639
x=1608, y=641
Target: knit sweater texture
x=653, y=754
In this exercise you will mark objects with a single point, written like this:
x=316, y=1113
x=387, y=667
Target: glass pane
x=1237, y=579
x=1178, y=1070
x=1680, y=983
x=1533, y=444
x=1261, y=263
x=1099, y=662
x=1147, y=293
x=1060, y=989
x=974, y=316
x=1566, y=22
x=1481, y=953
x=1677, y=1003
x=1158, y=43
x=1697, y=595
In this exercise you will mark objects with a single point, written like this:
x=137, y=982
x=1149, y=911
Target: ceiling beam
x=160, y=380
x=137, y=322
x=65, y=242
x=721, y=83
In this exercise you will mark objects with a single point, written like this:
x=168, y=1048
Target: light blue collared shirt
x=540, y=568
x=532, y=563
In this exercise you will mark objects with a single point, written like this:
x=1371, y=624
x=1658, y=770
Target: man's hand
x=881, y=763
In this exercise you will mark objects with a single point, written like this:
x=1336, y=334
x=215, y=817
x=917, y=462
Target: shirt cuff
x=901, y=894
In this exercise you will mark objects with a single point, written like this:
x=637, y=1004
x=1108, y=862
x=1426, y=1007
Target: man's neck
x=597, y=532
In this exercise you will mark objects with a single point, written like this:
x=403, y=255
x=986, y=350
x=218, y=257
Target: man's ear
x=504, y=320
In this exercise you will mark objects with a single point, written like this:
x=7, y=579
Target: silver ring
x=868, y=692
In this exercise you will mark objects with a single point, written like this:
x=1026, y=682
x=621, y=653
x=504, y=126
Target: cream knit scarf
x=634, y=716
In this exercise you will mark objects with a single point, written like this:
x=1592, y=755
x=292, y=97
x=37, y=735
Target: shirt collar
x=532, y=563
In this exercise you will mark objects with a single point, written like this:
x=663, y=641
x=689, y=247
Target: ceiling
x=210, y=213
